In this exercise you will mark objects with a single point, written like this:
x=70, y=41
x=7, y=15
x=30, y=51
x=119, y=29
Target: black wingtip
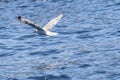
x=19, y=17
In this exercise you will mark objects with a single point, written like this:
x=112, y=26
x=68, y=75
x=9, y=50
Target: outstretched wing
x=51, y=23
x=26, y=21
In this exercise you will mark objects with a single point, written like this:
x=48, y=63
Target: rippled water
x=87, y=47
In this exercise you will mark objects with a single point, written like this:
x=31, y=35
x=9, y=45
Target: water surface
x=87, y=47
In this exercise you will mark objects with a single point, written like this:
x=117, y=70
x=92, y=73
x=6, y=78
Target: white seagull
x=46, y=29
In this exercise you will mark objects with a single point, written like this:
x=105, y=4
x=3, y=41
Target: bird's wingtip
x=19, y=17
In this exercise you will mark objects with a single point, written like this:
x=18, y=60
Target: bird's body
x=46, y=29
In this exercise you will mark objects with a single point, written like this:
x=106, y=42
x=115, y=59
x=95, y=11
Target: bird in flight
x=46, y=29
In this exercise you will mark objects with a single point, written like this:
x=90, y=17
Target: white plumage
x=46, y=29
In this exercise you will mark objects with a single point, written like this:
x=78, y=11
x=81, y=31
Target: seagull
x=46, y=29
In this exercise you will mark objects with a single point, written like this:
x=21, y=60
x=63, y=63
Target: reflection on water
x=86, y=48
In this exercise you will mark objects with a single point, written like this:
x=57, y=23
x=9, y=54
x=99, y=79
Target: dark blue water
x=87, y=47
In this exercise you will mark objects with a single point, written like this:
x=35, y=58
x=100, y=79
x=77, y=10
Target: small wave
x=51, y=77
x=5, y=54
x=47, y=52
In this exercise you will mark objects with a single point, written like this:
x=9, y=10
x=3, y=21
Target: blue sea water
x=86, y=48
